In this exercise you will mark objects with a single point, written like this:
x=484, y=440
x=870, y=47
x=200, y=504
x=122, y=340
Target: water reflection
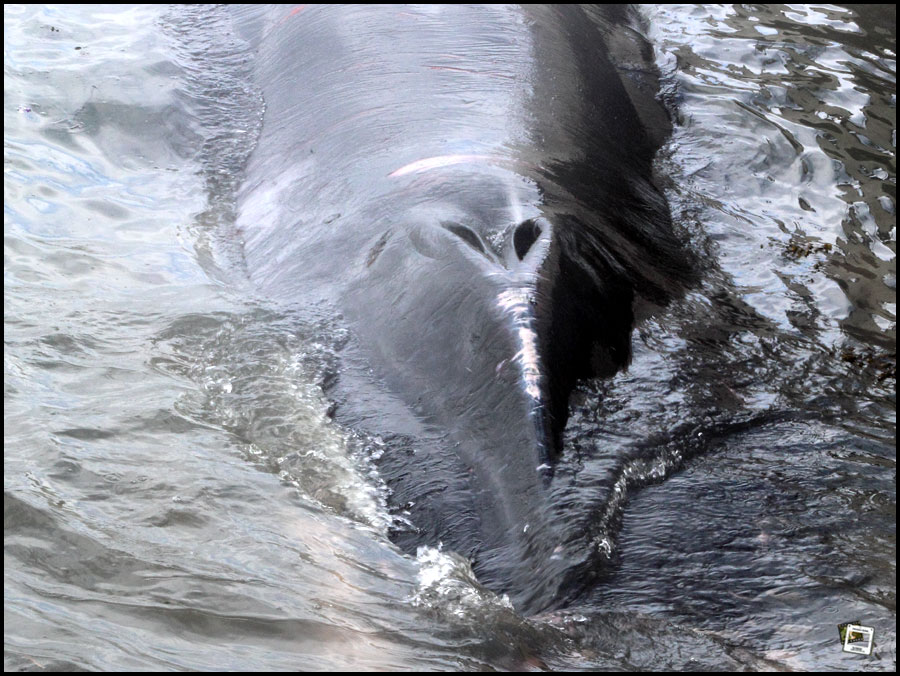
x=804, y=99
x=177, y=496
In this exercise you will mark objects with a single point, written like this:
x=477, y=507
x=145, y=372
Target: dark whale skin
x=471, y=189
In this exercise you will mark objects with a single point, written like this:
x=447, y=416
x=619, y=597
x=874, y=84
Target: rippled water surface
x=177, y=495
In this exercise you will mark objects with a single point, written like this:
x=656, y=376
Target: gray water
x=177, y=496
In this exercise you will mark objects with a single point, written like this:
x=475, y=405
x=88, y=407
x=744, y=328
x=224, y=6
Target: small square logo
x=856, y=638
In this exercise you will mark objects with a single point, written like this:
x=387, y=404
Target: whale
x=470, y=191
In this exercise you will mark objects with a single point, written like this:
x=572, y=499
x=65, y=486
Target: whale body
x=471, y=190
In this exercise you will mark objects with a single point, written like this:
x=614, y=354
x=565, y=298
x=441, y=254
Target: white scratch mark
x=517, y=303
